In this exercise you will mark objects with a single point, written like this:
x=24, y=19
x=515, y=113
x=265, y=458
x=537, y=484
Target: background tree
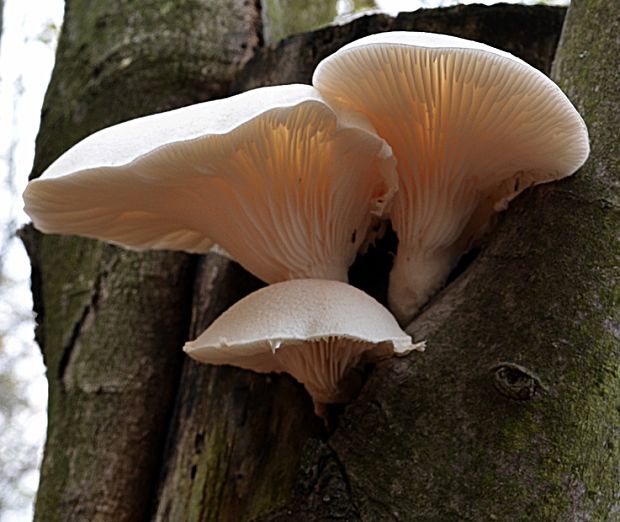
x=282, y=18
x=511, y=414
x=20, y=446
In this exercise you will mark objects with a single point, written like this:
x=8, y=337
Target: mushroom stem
x=335, y=270
x=415, y=278
x=317, y=331
x=470, y=127
x=348, y=389
x=326, y=367
x=345, y=389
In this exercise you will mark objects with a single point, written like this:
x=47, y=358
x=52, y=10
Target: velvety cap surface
x=296, y=311
x=315, y=330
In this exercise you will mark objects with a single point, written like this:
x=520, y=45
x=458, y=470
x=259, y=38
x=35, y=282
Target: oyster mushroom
x=471, y=127
x=318, y=331
x=287, y=185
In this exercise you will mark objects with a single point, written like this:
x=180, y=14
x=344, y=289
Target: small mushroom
x=284, y=183
x=471, y=127
x=318, y=331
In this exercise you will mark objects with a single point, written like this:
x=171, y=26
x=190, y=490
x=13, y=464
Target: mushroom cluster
x=433, y=132
x=470, y=126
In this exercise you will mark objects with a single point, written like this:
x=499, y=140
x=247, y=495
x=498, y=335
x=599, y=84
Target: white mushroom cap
x=280, y=180
x=315, y=330
x=471, y=127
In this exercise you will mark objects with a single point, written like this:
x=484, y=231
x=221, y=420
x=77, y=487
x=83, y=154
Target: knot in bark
x=515, y=382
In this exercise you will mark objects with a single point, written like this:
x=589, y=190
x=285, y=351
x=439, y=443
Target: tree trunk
x=282, y=18
x=512, y=412
x=111, y=322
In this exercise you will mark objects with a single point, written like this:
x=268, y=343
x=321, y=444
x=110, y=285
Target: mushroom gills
x=275, y=176
x=318, y=331
x=471, y=127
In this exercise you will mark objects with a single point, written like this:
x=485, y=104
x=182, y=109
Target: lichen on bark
x=542, y=296
x=111, y=323
x=511, y=414
x=315, y=483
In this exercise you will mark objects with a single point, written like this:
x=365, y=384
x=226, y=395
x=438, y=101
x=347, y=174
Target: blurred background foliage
x=282, y=18
x=28, y=31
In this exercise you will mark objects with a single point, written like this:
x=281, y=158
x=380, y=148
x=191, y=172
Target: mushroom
x=318, y=331
x=287, y=185
x=471, y=127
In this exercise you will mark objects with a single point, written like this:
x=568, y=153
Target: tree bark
x=111, y=322
x=281, y=18
x=511, y=414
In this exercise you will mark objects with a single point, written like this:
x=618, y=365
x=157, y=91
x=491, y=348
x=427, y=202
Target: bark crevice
x=430, y=437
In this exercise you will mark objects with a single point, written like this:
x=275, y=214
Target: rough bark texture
x=111, y=322
x=281, y=18
x=530, y=33
x=237, y=436
x=245, y=446
x=513, y=411
x=511, y=414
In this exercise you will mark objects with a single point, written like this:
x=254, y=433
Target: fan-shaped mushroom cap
x=471, y=127
x=280, y=180
x=315, y=330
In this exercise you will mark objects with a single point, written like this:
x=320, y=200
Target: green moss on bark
x=236, y=436
x=543, y=296
x=209, y=445
x=511, y=414
x=112, y=322
x=120, y=60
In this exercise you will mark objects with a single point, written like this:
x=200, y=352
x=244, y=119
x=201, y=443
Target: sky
x=26, y=59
